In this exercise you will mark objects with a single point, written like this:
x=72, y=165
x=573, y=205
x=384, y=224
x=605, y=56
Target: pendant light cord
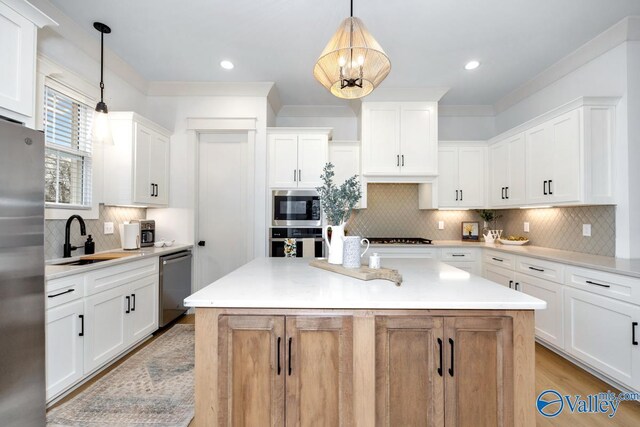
x=101, y=66
x=352, y=8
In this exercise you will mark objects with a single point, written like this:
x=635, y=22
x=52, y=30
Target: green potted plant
x=337, y=204
x=490, y=218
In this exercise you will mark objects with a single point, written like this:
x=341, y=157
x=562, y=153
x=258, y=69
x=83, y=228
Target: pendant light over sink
x=100, y=127
x=353, y=63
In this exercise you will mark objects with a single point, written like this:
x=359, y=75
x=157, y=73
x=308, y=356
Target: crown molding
x=466, y=111
x=257, y=89
x=628, y=29
x=31, y=12
x=316, y=111
x=407, y=94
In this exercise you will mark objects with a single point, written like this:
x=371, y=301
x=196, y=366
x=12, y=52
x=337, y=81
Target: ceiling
x=428, y=41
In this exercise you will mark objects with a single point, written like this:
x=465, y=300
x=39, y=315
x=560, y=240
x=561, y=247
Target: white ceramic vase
x=492, y=236
x=336, y=245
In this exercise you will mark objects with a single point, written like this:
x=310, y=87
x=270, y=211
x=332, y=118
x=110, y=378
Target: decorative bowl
x=513, y=242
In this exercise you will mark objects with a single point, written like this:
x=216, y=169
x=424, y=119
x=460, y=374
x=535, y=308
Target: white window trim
x=76, y=87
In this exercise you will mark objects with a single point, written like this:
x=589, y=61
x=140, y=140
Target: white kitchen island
x=281, y=343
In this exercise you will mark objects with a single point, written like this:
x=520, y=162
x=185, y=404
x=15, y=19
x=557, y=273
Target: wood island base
x=329, y=367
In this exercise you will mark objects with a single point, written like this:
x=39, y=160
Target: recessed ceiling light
x=472, y=65
x=227, y=65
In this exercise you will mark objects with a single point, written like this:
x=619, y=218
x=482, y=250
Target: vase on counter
x=335, y=244
x=492, y=236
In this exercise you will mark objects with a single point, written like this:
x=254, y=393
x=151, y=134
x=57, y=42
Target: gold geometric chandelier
x=353, y=63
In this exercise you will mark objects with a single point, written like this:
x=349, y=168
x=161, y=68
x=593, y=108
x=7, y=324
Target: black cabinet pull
x=403, y=160
x=633, y=333
x=279, y=367
x=516, y=286
x=152, y=189
x=133, y=302
x=440, y=350
x=452, y=357
x=294, y=175
x=201, y=243
x=544, y=187
x=510, y=283
x=541, y=270
x=502, y=193
x=68, y=291
x=460, y=195
x=81, y=316
x=457, y=254
x=506, y=192
x=598, y=284
x=299, y=174
x=497, y=259
x=290, y=370
x=456, y=195
x=128, y=305
x=398, y=160
x=550, y=191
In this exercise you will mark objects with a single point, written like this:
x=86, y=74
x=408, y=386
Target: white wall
x=465, y=128
x=344, y=128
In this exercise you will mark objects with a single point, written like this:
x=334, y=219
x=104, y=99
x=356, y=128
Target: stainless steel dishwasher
x=175, y=285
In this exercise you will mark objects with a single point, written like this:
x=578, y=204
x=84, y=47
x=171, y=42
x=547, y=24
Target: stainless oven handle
x=282, y=239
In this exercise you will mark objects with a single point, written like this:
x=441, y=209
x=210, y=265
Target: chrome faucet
x=67, y=232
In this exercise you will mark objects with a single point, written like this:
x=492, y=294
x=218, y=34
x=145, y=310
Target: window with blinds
x=67, y=130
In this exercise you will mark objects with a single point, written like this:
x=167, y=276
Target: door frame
x=198, y=126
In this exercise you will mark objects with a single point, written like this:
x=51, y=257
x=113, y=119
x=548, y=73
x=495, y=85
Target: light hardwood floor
x=552, y=372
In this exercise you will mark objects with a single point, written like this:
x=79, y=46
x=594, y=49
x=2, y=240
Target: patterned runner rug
x=154, y=387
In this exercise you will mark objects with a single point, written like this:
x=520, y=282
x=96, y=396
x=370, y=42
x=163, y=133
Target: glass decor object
x=353, y=63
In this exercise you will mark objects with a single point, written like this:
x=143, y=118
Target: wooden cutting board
x=362, y=273
x=110, y=255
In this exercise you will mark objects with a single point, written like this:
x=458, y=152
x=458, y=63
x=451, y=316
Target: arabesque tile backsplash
x=54, y=231
x=392, y=211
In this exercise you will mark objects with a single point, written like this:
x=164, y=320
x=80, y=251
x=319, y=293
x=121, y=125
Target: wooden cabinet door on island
x=409, y=371
x=251, y=370
x=479, y=375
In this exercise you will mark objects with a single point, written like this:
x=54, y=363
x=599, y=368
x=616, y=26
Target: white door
x=540, y=161
x=600, y=332
x=499, y=178
x=549, y=321
x=64, y=350
x=283, y=161
x=224, y=222
x=106, y=317
x=142, y=190
x=516, y=194
x=159, y=168
x=380, y=138
x=565, y=182
x=501, y=276
x=418, y=139
x=144, y=307
x=313, y=155
x=471, y=176
x=448, y=188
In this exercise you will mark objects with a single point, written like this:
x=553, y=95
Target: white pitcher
x=336, y=244
x=352, y=255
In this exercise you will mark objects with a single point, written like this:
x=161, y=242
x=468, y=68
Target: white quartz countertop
x=52, y=271
x=627, y=267
x=293, y=283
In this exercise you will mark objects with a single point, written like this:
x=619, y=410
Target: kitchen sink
x=81, y=262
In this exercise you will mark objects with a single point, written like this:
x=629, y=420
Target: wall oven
x=295, y=208
x=307, y=242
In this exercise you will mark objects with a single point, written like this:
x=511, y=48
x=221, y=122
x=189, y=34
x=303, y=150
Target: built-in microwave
x=296, y=208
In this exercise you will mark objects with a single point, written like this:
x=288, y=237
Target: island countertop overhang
x=292, y=283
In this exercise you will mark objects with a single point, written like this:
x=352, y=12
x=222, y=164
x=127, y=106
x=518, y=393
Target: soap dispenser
x=89, y=246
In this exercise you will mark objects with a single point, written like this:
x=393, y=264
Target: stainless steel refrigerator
x=22, y=328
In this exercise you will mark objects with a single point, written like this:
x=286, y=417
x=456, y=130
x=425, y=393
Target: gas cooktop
x=399, y=241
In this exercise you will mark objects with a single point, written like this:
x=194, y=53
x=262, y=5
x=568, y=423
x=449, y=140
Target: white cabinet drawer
x=611, y=285
x=542, y=269
x=64, y=290
x=500, y=259
x=458, y=254
x=112, y=277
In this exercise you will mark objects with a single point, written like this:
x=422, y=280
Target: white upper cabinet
x=345, y=157
x=507, y=172
x=399, y=139
x=461, y=179
x=564, y=157
x=19, y=22
x=140, y=155
x=297, y=157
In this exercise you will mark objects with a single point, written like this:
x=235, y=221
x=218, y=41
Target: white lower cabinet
x=548, y=322
x=502, y=276
x=603, y=333
x=144, y=308
x=65, y=340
